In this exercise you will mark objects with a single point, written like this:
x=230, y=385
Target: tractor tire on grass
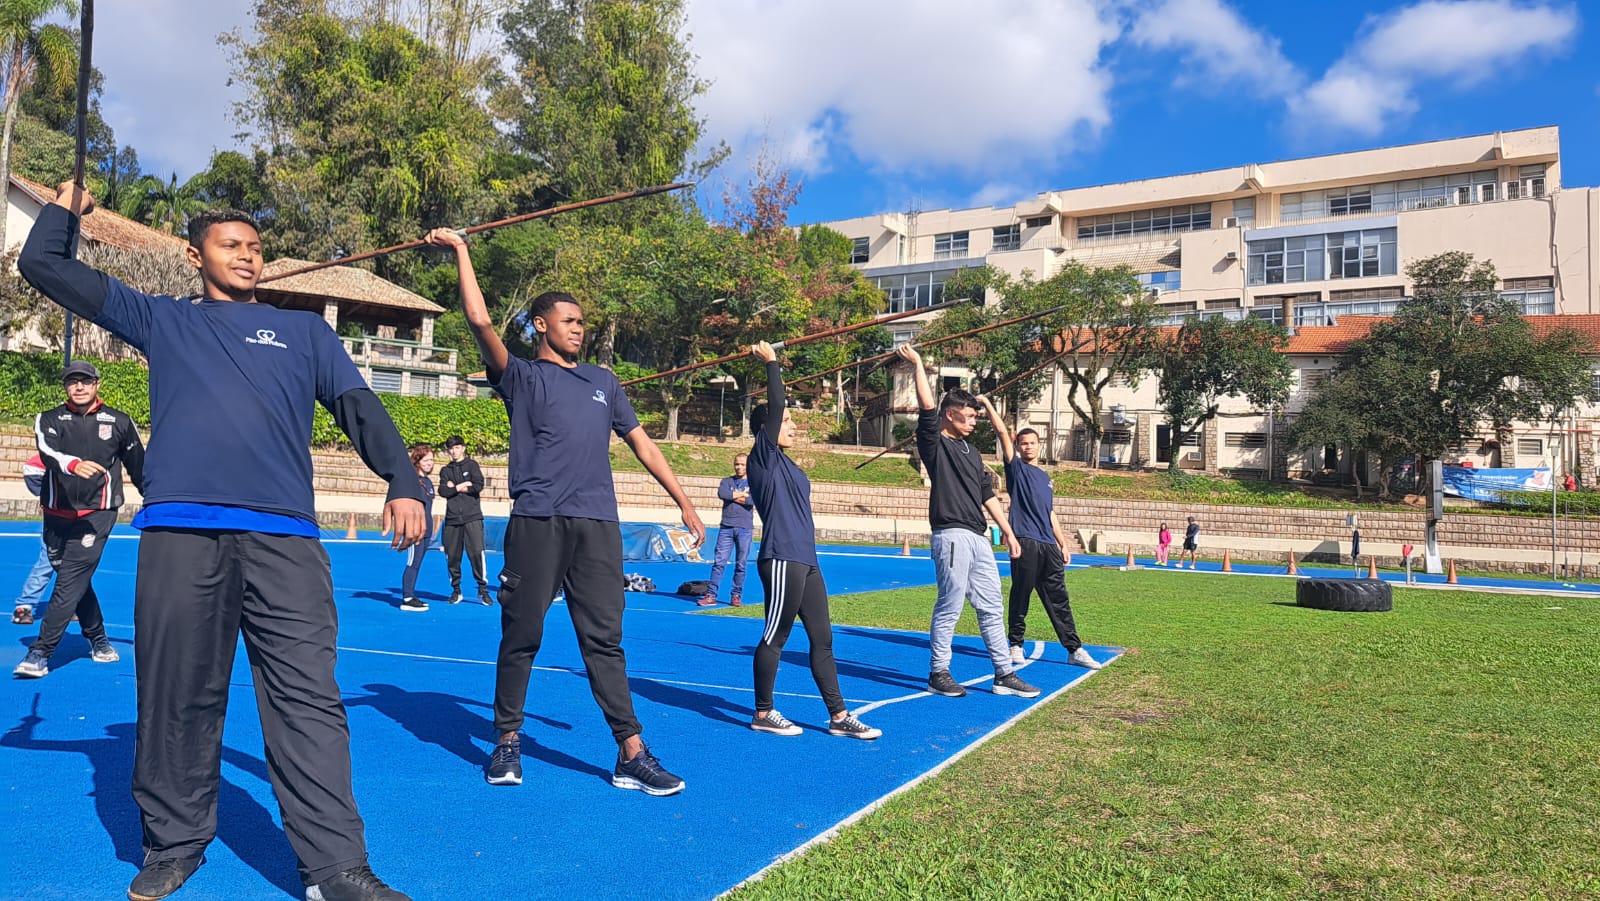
x=1344, y=595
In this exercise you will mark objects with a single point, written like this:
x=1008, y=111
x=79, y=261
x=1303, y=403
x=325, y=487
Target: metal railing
x=400, y=352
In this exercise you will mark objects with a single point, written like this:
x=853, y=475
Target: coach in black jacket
x=85, y=446
x=460, y=482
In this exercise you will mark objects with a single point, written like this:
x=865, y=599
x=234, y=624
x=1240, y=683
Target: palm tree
x=164, y=205
x=30, y=48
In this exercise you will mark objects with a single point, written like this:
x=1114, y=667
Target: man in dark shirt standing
x=962, y=558
x=85, y=446
x=1191, y=544
x=734, y=533
x=230, y=544
x=1044, y=554
x=563, y=531
x=460, y=483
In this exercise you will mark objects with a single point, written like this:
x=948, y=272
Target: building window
x=1007, y=237
x=1116, y=436
x=426, y=385
x=1311, y=258
x=1272, y=314
x=1037, y=222
x=1193, y=440
x=1387, y=197
x=386, y=380
x=1387, y=292
x=1161, y=281
x=1244, y=210
x=1245, y=439
x=860, y=249
x=950, y=246
x=902, y=250
x=1530, y=447
x=912, y=291
x=1312, y=379
x=1530, y=182
x=1594, y=383
x=1534, y=296
x=1231, y=303
x=1158, y=221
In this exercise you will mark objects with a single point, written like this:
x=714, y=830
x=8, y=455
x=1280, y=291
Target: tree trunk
x=5, y=160
x=672, y=418
x=605, y=348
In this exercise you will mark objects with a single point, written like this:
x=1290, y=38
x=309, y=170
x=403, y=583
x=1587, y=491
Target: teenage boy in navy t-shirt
x=563, y=531
x=788, y=565
x=1033, y=521
x=230, y=543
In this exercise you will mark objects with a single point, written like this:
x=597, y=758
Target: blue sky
x=886, y=103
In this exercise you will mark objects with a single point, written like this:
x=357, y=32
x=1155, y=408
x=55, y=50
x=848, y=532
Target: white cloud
x=1458, y=44
x=1217, y=42
x=921, y=85
x=1000, y=194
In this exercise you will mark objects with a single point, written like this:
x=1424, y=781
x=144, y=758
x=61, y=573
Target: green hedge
x=30, y=383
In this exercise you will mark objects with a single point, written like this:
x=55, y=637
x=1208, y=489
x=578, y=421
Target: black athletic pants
x=546, y=554
x=466, y=536
x=195, y=593
x=1040, y=567
x=414, y=557
x=74, y=546
x=796, y=589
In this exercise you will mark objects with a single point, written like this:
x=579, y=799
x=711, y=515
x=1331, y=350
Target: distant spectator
x=422, y=460
x=1569, y=483
x=1163, y=546
x=733, y=533
x=460, y=483
x=1355, y=547
x=1191, y=544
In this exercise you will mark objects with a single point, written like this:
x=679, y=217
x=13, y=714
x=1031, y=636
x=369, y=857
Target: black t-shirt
x=961, y=483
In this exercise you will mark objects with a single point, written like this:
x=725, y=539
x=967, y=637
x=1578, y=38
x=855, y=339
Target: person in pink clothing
x=1163, y=541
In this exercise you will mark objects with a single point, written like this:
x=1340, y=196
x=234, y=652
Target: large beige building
x=1306, y=243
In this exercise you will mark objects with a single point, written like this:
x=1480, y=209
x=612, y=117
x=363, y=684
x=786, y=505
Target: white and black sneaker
x=1080, y=657
x=773, y=722
x=505, y=764
x=645, y=773
x=413, y=604
x=101, y=651
x=1012, y=684
x=34, y=666
x=455, y=598
x=941, y=683
x=850, y=727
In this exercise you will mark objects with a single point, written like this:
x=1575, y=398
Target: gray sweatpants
x=966, y=569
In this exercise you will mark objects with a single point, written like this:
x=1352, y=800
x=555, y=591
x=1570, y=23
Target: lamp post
x=722, y=382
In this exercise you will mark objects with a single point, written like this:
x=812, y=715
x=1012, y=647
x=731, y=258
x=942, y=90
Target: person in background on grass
x=1191, y=544
x=422, y=462
x=963, y=560
x=734, y=533
x=1163, y=545
x=1044, y=547
x=229, y=544
x=790, y=578
x=1355, y=549
x=85, y=446
x=460, y=483
x=28, y=602
x=563, y=530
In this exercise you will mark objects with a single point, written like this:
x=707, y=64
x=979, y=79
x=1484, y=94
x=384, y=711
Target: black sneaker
x=1012, y=684
x=23, y=615
x=484, y=597
x=645, y=773
x=354, y=884
x=505, y=764
x=413, y=604
x=455, y=598
x=940, y=683
x=850, y=727
x=162, y=878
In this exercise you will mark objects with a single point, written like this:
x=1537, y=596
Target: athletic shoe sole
x=412, y=609
x=112, y=657
x=777, y=730
x=1002, y=690
x=868, y=735
x=29, y=672
x=628, y=782
x=949, y=694
x=508, y=779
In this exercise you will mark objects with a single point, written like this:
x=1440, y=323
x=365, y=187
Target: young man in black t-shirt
x=962, y=558
x=563, y=531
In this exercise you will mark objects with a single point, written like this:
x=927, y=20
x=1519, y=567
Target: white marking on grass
x=833, y=831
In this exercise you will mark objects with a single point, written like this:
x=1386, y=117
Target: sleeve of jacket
x=725, y=490
x=33, y=475
x=132, y=453
x=475, y=476
x=446, y=476
x=52, y=457
x=363, y=419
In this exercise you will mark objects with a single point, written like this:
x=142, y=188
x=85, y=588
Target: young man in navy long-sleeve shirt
x=230, y=544
x=563, y=530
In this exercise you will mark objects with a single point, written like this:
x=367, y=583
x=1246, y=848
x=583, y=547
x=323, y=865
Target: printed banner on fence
x=1487, y=484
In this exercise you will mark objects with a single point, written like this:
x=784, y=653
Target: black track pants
x=468, y=537
x=74, y=546
x=1039, y=567
x=795, y=589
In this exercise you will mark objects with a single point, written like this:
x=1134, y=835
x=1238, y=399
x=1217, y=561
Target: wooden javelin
x=487, y=226
x=803, y=339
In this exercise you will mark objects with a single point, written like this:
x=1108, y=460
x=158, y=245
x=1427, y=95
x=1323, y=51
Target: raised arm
x=908, y=352
x=656, y=464
x=1002, y=434
x=490, y=347
x=777, y=402
x=48, y=263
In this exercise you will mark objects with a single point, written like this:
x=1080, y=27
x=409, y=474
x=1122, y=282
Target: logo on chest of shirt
x=599, y=396
x=268, y=337
x=105, y=432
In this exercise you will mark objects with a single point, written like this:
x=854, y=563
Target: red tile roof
x=1336, y=338
x=102, y=225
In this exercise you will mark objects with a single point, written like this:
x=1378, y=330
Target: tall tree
x=30, y=48
x=1207, y=360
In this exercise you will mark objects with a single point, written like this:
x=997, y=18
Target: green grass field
x=1247, y=748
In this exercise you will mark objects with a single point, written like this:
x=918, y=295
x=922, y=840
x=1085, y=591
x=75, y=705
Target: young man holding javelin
x=230, y=544
x=563, y=532
x=962, y=558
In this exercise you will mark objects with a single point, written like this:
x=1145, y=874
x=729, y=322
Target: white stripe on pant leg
x=780, y=579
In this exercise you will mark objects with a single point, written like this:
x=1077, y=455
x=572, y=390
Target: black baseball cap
x=80, y=369
x=454, y=441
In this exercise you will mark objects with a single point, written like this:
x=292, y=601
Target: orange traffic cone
x=905, y=546
x=1293, y=571
x=1450, y=575
x=1372, y=567
x=1130, y=563
x=1227, y=560
x=350, y=530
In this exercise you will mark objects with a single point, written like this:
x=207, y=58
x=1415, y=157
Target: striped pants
x=414, y=555
x=795, y=589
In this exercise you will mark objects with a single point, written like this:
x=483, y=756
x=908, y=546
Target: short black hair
x=544, y=303
x=454, y=441
x=201, y=222
x=758, y=417
x=957, y=397
x=1029, y=431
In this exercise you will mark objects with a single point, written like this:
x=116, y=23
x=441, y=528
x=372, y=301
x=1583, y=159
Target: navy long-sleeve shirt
x=232, y=389
x=780, y=489
x=736, y=514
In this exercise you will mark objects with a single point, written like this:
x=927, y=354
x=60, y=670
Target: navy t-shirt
x=780, y=489
x=232, y=390
x=734, y=514
x=1031, y=500
x=561, y=425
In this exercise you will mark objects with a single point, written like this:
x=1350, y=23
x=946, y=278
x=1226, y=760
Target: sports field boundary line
x=833, y=831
